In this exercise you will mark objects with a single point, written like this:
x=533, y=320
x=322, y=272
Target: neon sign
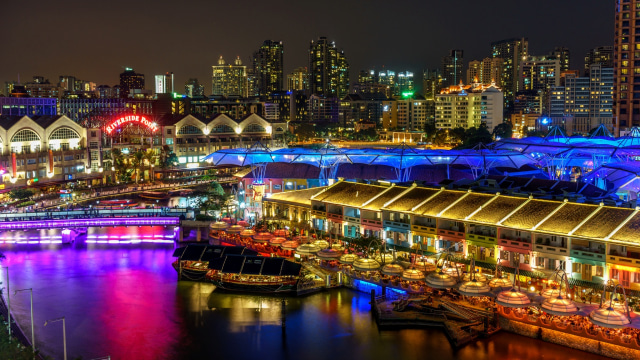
x=131, y=118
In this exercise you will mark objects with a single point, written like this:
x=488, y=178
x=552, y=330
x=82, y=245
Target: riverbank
x=19, y=347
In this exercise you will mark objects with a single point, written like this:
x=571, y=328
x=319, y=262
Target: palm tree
x=137, y=162
x=150, y=157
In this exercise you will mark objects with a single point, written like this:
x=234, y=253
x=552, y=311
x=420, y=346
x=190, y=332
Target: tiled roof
x=465, y=207
x=411, y=199
x=298, y=197
x=497, y=209
x=384, y=198
x=630, y=231
x=567, y=218
x=440, y=202
x=350, y=194
x=603, y=222
x=531, y=214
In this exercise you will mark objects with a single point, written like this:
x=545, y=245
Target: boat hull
x=285, y=288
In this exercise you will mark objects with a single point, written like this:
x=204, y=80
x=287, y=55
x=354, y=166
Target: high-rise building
x=193, y=88
x=41, y=87
x=602, y=55
x=540, y=73
x=67, y=83
x=563, y=55
x=228, y=79
x=469, y=106
x=584, y=103
x=488, y=71
x=405, y=83
x=511, y=51
x=164, y=83
x=129, y=81
x=268, y=67
x=408, y=113
x=328, y=68
x=452, y=67
x=298, y=80
x=431, y=83
x=626, y=86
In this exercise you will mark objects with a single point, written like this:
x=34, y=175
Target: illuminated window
x=222, y=128
x=63, y=134
x=189, y=130
x=254, y=128
x=25, y=135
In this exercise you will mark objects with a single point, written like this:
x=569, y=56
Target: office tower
x=405, y=83
x=602, y=55
x=164, y=83
x=452, y=66
x=228, y=79
x=298, y=80
x=563, y=55
x=474, y=71
x=585, y=102
x=511, y=51
x=328, y=68
x=129, y=81
x=193, y=88
x=268, y=67
x=431, y=83
x=540, y=73
x=105, y=92
x=408, y=113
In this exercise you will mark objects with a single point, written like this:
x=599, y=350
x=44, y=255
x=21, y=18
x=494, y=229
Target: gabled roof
x=350, y=194
x=298, y=197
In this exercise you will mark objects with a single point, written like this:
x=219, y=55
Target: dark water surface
x=124, y=301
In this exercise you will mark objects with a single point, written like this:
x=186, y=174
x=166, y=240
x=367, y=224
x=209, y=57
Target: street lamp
x=64, y=334
x=33, y=339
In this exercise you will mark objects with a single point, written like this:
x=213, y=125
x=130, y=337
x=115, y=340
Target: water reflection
x=124, y=301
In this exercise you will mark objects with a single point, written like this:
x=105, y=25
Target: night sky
x=95, y=40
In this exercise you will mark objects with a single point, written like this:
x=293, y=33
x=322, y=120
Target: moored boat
x=255, y=274
x=108, y=204
x=154, y=195
x=193, y=259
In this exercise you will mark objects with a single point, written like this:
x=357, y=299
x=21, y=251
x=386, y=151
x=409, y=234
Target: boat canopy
x=255, y=265
x=201, y=252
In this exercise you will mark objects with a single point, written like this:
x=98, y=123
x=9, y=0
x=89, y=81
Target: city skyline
x=191, y=42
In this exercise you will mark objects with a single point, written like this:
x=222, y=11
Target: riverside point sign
x=131, y=118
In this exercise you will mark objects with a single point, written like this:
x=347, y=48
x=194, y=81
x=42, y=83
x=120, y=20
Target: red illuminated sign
x=131, y=118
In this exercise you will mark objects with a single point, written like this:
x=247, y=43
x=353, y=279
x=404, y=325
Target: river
x=123, y=301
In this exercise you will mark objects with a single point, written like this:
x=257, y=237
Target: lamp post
x=33, y=339
x=64, y=334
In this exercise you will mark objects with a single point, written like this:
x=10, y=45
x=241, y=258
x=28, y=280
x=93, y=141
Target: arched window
x=64, y=134
x=190, y=130
x=25, y=135
x=279, y=129
x=222, y=128
x=254, y=128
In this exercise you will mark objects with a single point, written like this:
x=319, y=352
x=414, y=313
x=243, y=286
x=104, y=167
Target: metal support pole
x=8, y=303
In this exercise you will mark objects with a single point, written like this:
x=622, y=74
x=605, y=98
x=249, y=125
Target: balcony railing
x=484, y=238
x=552, y=249
x=622, y=260
x=397, y=224
x=371, y=222
x=515, y=244
x=451, y=233
x=424, y=228
x=590, y=254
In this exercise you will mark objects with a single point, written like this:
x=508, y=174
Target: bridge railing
x=92, y=213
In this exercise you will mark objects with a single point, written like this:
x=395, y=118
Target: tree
x=150, y=157
x=20, y=194
x=457, y=135
x=440, y=137
x=430, y=130
x=503, y=130
x=137, y=162
x=475, y=136
x=305, y=131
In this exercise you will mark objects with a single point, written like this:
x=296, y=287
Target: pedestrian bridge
x=95, y=222
x=97, y=213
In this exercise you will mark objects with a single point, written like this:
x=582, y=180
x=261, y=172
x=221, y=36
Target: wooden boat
x=193, y=259
x=154, y=195
x=255, y=274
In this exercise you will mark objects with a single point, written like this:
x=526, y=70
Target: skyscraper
x=431, y=83
x=539, y=74
x=452, y=67
x=193, y=88
x=626, y=81
x=602, y=55
x=563, y=55
x=164, y=83
x=511, y=51
x=328, y=68
x=228, y=79
x=130, y=80
x=268, y=68
x=298, y=80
